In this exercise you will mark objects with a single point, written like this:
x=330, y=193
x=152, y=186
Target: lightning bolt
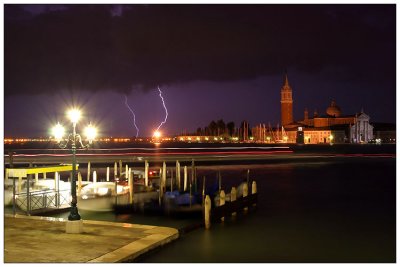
x=166, y=111
x=134, y=116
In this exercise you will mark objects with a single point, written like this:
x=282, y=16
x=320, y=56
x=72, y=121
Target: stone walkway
x=31, y=239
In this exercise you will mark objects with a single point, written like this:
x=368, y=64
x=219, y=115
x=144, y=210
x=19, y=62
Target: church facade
x=331, y=127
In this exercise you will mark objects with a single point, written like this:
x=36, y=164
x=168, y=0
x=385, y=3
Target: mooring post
x=222, y=201
x=88, y=171
x=184, y=179
x=245, y=194
x=115, y=170
x=146, y=173
x=116, y=190
x=192, y=173
x=207, y=209
x=254, y=189
x=108, y=174
x=233, y=198
x=120, y=169
x=178, y=175
x=164, y=178
x=130, y=183
x=195, y=179
x=172, y=180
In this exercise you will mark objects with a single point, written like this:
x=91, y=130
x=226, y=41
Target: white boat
x=102, y=196
x=42, y=194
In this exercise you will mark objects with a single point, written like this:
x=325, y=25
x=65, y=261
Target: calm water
x=331, y=210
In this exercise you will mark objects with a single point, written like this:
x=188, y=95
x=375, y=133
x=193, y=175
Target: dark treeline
x=220, y=128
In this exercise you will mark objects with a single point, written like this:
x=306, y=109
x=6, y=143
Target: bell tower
x=286, y=103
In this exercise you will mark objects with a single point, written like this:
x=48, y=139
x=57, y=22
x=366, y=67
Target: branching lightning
x=166, y=111
x=134, y=116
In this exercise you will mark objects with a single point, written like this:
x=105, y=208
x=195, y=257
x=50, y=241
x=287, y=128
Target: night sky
x=211, y=62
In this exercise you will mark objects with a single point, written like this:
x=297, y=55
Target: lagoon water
x=329, y=210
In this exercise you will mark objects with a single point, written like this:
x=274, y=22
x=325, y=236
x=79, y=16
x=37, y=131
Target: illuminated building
x=332, y=127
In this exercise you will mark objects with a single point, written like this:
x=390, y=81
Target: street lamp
x=58, y=133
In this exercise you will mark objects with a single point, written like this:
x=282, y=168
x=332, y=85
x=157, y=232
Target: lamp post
x=58, y=132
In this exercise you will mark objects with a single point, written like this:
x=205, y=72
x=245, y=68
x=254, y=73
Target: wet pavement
x=33, y=239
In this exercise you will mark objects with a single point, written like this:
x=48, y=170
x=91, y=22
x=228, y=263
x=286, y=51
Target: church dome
x=333, y=110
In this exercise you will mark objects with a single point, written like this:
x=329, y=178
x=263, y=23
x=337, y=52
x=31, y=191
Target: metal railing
x=44, y=199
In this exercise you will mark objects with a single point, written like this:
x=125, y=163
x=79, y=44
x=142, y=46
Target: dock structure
x=45, y=241
x=38, y=200
x=224, y=208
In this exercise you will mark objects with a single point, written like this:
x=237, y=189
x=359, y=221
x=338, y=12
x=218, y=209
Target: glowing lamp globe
x=90, y=132
x=74, y=115
x=58, y=131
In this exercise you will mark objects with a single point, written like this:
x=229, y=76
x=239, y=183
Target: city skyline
x=231, y=68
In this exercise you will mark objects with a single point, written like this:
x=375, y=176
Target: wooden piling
x=88, y=172
x=146, y=173
x=172, y=180
x=120, y=168
x=245, y=194
x=178, y=175
x=222, y=201
x=207, y=212
x=130, y=183
x=184, y=179
x=233, y=198
x=254, y=190
x=254, y=187
x=164, y=178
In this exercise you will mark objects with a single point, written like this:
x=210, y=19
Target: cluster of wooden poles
x=128, y=175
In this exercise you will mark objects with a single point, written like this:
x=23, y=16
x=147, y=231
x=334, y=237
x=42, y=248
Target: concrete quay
x=33, y=239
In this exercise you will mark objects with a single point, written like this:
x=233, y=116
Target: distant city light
x=157, y=134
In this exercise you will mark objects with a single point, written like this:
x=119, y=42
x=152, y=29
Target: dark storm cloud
x=101, y=47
